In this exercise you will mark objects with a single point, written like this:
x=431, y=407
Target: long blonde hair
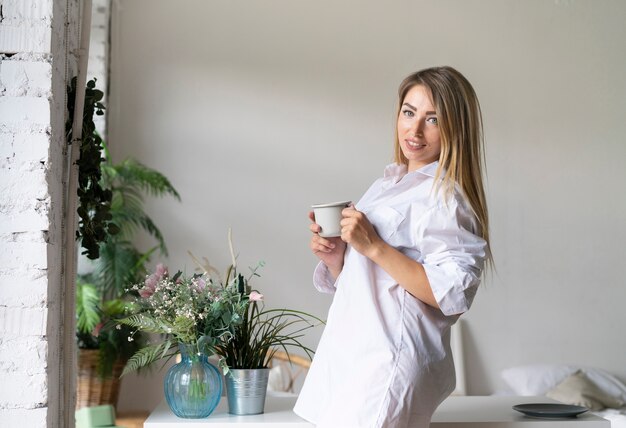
x=460, y=125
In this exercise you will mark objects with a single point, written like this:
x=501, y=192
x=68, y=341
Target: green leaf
x=117, y=267
x=262, y=332
x=114, y=308
x=87, y=307
x=146, y=323
x=147, y=356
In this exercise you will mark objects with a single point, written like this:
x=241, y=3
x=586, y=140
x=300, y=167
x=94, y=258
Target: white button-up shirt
x=384, y=358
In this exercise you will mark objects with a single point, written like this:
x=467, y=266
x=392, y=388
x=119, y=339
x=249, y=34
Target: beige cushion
x=578, y=390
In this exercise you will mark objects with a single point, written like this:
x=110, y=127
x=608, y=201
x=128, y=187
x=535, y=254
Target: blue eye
x=408, y=113
x=432, y=120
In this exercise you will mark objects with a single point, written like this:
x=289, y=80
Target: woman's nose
x=418, y=128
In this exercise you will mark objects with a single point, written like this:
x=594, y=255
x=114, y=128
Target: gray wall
x=256, y=109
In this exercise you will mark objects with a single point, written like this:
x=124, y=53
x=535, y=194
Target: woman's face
x=418, y=130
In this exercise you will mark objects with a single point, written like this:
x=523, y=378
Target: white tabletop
x=454, y=412
x=278, y=412
x=495, y=411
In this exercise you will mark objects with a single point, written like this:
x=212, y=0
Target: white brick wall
x=24, y=222
x=99, y=55
x=16, y=417
x=23, y=286
x=26, y=26
x=32, y=117
x=23, y=360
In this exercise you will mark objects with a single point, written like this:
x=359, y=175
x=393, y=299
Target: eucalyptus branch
x=94, y=209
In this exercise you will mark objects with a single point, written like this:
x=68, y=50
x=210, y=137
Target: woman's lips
x=414, y=144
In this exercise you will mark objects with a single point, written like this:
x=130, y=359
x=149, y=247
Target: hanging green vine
x=94, y=209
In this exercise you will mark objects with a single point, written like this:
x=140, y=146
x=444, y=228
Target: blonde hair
x=460, y=125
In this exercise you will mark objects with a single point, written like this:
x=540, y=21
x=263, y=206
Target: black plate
x=550, y=410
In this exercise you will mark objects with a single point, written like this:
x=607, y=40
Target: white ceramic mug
x=328, y=216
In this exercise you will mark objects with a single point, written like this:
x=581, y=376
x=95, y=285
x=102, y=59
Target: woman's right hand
x=329, y=250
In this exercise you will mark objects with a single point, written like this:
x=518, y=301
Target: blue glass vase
x=193, y=387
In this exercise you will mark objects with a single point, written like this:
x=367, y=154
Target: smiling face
x=418, y=131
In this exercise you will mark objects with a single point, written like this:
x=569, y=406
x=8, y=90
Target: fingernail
x=332, y=245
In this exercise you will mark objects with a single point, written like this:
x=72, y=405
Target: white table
x=496, y=412
x=454, y=412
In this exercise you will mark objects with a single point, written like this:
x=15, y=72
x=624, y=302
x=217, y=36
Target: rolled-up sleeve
x=452, y=255
x=323, y=280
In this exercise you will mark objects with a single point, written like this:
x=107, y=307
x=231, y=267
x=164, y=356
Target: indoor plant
x=102, y=352
x=119, y=262
x=245, y=354
x=191, y=314
x=111, y=212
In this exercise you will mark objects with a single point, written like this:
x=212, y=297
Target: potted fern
x=111, y=212
x=103, y=350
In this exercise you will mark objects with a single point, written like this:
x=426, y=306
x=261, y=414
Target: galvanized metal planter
x=246, y=390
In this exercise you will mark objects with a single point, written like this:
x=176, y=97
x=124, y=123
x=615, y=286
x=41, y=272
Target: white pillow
x=607, y=383
x=538, y=379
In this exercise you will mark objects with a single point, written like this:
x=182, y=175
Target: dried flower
x=255, y=296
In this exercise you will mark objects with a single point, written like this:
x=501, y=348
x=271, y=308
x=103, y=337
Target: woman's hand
x=357, y=231
x=329, y=250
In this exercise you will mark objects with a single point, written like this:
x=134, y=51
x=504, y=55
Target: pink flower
x=200, y=284
x=151, y=281
x=255, y=296
x=161, y=271
x=149, y=287
x=146, y=292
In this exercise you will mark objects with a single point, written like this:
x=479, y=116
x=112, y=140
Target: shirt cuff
x=453, y=288
x=323, y=280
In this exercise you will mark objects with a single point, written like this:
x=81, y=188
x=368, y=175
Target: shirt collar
x=396, y=171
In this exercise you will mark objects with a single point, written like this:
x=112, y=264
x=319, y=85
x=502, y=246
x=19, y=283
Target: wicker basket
x=92, y=390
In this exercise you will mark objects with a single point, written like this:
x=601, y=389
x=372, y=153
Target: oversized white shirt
x=384, y=358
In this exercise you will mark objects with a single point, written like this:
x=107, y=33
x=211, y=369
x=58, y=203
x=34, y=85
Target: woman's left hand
x=357, y=231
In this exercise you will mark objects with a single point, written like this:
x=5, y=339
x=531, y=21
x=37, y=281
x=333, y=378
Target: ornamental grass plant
x=262, y=332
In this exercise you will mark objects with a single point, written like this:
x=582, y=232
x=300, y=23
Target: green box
x=95, y=417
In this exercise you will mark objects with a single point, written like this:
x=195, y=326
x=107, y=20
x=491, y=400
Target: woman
x=407, y=264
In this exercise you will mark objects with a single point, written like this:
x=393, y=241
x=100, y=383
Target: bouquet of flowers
x=192, y=310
